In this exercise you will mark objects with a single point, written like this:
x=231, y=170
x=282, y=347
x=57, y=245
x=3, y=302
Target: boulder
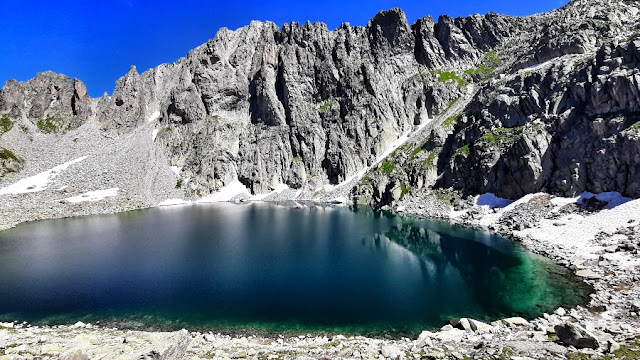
x=424, y=339
x=479, y=327
x=588, y=274
x=517, y=321
x=77, y=355
x=462, y=324
x=575, y=335
x=391, y=352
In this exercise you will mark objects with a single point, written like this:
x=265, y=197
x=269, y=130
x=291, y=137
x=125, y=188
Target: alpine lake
x=264, y=268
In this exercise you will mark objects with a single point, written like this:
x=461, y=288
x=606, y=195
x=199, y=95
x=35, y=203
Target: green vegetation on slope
x=6, y=154
x=449, y=77
x=464, y=150
x=327, y=105
x=5, y=124
x=634, y=130
x=479, y=70
x=387, y=167
x=54, y=124
x=451, y=120
x=491, y=60
x=501, y=135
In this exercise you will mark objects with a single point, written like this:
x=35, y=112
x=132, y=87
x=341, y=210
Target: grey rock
x=53, y=102
x=575, y=335
x=78, y=355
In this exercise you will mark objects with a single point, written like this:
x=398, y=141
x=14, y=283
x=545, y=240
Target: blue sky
x=97, y=41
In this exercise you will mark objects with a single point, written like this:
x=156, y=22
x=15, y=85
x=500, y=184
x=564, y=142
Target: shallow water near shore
x=267, y=268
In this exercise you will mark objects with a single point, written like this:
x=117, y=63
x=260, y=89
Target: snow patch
x=562, y=201
x=279, y=188
x=226, y=193
x=174, y=202
x=613, y=198
x=38, y=182
x=537, y=66
x=576, y=234
x=176, y=170
x=154, y=116
x=422, y=126
x=493, y=217
x=492, y=201
x=154, y=134
x=96, y=195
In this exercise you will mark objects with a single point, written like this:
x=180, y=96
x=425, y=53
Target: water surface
x=262, y=267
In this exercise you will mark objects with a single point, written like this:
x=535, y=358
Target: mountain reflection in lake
x=261, y=267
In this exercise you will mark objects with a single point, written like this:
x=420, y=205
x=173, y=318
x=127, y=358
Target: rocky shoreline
x=609, y=326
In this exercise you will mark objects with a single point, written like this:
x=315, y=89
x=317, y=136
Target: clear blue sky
x=96, y=41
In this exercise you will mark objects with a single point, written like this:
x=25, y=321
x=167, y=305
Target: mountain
x=375, y=114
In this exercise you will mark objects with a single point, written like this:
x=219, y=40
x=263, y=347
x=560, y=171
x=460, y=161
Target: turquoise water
x=260, y=267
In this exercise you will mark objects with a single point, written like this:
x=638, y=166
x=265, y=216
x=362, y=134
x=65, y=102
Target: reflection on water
x=272, y=268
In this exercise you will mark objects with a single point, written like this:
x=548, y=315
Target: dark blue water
x=261, y=267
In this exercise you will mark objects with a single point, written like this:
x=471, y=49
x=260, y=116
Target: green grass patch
x=163, y=131
x=490, y=138
x=441, y=195
x=6, y=154
x=327, y=105
x=501, y=135
x=404, y=190
x=417, y=150
x=179, y=183
x=51, y=125
x=464, y=150
x=215, y=118
x=482, y=70
x=491, y=59
x=631, y=351
x=451, y=120
x=430, y=161
x=5, y=124
x=449, y=77
x=387, y=167
x=634, y=129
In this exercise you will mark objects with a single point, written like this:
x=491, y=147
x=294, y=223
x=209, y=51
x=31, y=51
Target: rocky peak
x=389, y=31
x=54, y=102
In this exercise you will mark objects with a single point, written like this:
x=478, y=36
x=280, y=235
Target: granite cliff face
x=305, y=106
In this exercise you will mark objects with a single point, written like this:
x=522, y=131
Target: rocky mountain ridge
x=305, y=107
